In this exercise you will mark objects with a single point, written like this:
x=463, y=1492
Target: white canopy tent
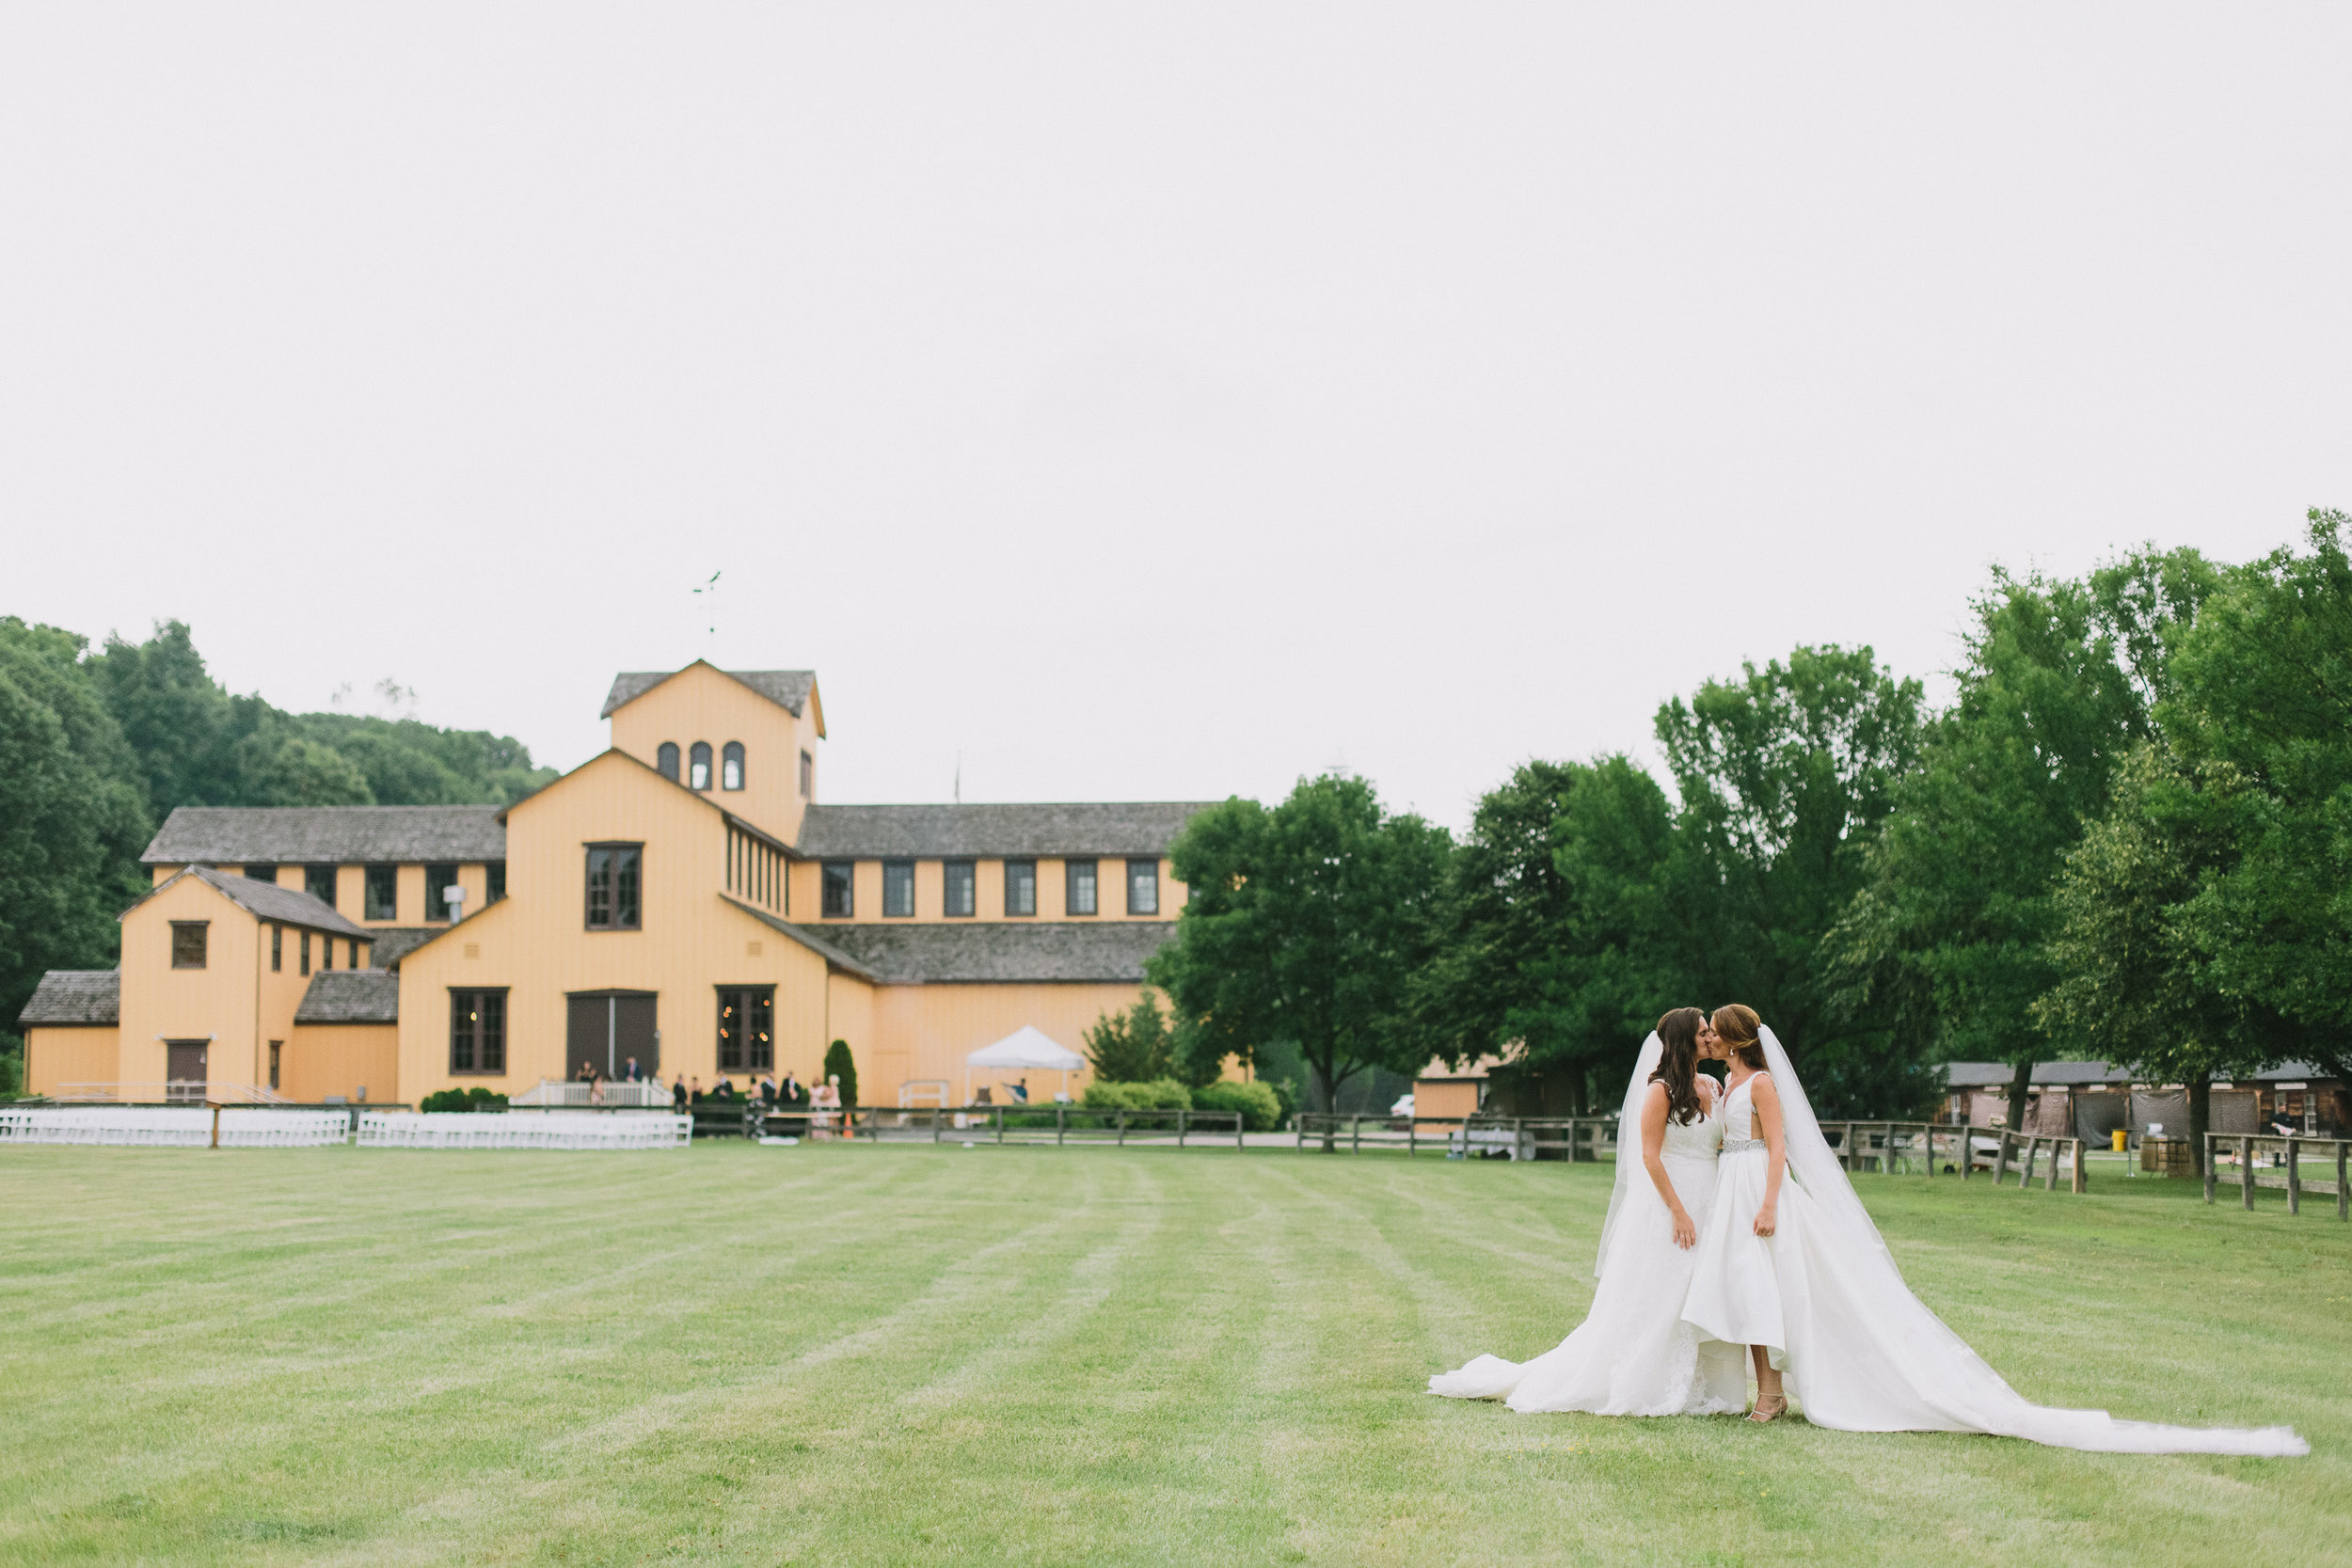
x=1026, y=1049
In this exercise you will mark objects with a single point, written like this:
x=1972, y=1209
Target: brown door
x=184, y=1071
x=605, y=1028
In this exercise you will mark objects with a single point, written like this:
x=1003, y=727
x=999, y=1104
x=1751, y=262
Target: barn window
x=747, y=1017
x=731, y=766
x=477, y=1031
x=614, y=872
x=956, y=891
x=188, y=943
x=898, y=888
x=1020, y=887
x=839, y=900
x=665, y=760
x=383, y=901
x=698, y=766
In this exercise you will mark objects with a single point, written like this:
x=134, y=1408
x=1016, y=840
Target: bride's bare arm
x=1654, y=1139
x=1766, y=1099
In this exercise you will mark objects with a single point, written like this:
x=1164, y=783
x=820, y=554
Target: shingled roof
x=872, y=832
x=1987, y=1075
x=74, y=996
x=351, y=996
x=267, y=901
x=807, y=939
x=341, y=835
x=395, y=942
x=788, y=688
x=1113, y=952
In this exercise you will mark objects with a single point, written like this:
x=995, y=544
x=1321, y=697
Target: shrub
x=839, y=1062
x=1162, y=1094
x=1132, y=1047
x=475, y=1099
x=1260, y=1106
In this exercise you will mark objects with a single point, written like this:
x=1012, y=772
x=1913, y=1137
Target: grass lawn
x=912, y=1354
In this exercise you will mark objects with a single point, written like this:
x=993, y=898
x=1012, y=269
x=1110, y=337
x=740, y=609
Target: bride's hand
x=1766, y=1221
x=1686, y=1234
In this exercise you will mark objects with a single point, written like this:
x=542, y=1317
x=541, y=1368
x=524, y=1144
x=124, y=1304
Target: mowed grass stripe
x=864, y=1355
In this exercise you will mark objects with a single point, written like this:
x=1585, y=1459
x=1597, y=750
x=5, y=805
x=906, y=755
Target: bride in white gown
x=1797, y=1267
x=1634, y=1355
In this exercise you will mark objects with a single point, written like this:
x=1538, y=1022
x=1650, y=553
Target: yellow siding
x=534, y=941
x=82, y=1055
x=217, y=1002
x=341, y=1058
x=699, y=703
x=927, y=1031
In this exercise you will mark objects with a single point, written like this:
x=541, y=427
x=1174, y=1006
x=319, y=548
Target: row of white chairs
x=189, y=1126
x=509, y=1130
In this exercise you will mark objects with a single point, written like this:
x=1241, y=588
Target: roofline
x=833, y=956
x=730, y=674
x=206, y=875
x=755, y=829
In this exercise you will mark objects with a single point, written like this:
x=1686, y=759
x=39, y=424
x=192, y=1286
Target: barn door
x=605, y=1028
x=184, y=1071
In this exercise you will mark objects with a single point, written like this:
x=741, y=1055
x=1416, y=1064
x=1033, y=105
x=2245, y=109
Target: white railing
x=493, y=1130
x=559, y=1093
x=189, y=1126
x=195, y=1091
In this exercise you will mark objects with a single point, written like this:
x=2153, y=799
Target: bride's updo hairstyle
x=1679, y=1066
x=1741, y=1032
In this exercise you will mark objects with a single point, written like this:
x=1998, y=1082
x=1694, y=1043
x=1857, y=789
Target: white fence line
x=189, y=1128
x=493, y=1130
x=559, y=1092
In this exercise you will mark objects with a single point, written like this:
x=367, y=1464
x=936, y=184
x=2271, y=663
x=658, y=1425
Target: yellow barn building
x=681, y=900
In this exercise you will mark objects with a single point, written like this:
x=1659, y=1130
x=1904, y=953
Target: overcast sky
x=1146, y=402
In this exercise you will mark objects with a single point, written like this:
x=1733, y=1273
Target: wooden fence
x=2287, y=1153
x=1000, y=1124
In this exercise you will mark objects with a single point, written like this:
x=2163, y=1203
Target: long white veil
x=1884, y=1362
x=1628, y=1127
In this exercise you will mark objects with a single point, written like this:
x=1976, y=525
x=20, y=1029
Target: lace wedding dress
x=1632, y=1355
x=1860, y=1352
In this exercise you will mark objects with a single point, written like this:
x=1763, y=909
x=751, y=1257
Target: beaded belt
x=1739, y=1146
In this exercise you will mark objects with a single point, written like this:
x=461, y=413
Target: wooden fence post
x=997, y=1115
x=1181, y=1115
x=2212, y=1175
x=1061, y=1124
x=2082, y=1176
x=1121, y=1115
x=2000, y=1158
x=2049, y=1184
x=1409, y=1136
x=2343, y=1195
x=1967, y=1150
x=216, y=1125
x=1355, y=1135
x=2245, y=1170
x=1240, y=1126
x=2294, y=1177
x=2024, y=1172
x=1300, y=1121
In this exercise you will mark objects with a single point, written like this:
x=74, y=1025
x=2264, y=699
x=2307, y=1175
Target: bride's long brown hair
x=1678, y=1067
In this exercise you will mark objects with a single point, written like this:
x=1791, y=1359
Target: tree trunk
x=2199, y=1118
x=1330, y=1104
x=2017, y=1087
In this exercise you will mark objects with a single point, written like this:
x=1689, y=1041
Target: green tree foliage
x=1559, y=935
x=1306, y=921
x=1786, y=776
x=2259, y=712
x=1949, y=941
x=840, y=1063
x=73, y=814
x=1132, y=1047
x=2132, y=988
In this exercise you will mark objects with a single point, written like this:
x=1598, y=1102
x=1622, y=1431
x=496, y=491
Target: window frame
x=494, y=878
x=1029, y=870
x=731, y=757
x=1070, y=870
x=666, y=762
x=1153, y=868
x=313, y=875
x=971, y=878
x=698, y=767
x=202, y=943
x=277, y=952
x=271, y=879
x=389, y=872
x=750, y=1055
x=900, y=872
x=327, y=952
x=633, y=867
x=432, y=886
x=843, y=875
x=302, y=952
x=809, y=774
x=276, y=1047
x=487, y=1034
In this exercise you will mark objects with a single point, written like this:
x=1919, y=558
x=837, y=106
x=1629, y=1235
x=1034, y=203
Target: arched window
x=731, y=766
x=665, y=760
x=698, y=766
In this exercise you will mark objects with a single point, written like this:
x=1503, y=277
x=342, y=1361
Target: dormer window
x=731, y=766
x=665, y=760
x=808, y=777
x=698, y=766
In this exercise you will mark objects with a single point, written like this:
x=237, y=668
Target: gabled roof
x=67, y=996
x=395, y=942
x=963, y=952
x=265, y=901
x=788, y=688
x=806, y=938
x=342, y=835
x=350, y=996
x=1111, y=827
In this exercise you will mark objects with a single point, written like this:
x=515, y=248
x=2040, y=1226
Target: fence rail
x=2288, y=1151
x=1057, y=1124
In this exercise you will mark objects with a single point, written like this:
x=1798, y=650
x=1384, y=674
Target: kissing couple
x=1736, y=1239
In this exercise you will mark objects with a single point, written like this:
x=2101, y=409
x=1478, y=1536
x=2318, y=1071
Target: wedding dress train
x=1632, y=1355
x=1859, y=1351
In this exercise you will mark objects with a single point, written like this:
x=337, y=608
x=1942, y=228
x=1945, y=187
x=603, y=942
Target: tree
x=2132, y=984
x=1557, y=942
x=2259, y=712
x=1948, y=939
x=1306, y=923
x=1132, y=1047
x=1784, y=777
x=840, y=1063
x=73, y=814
